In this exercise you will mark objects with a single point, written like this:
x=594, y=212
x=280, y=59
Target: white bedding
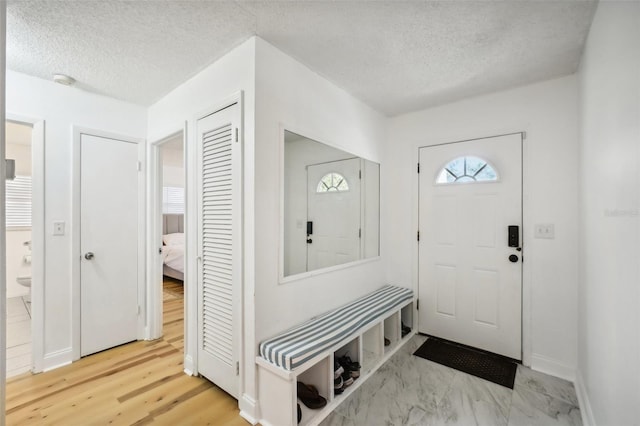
x=173, y=256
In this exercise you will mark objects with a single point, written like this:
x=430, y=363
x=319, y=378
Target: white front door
x=470, y=278
x=220, y=241
x=108, y=243
x=333, y=203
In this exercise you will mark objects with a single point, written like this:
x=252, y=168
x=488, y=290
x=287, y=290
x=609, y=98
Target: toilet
x=25, y=281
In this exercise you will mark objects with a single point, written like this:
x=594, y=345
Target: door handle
x=88, y=255
x=513, y=258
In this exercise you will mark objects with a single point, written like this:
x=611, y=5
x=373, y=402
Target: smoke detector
x=63, y=79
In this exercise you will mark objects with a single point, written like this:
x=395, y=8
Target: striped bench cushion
x=307, y=340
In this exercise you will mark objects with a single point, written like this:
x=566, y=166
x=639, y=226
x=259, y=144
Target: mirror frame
x=282, y=279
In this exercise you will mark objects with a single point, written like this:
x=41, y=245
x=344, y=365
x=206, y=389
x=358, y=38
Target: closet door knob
x=88, y=255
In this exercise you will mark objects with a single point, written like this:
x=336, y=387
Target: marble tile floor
x=18, y=336
x=409, y=390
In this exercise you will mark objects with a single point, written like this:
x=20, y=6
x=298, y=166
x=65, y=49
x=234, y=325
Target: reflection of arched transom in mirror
x=467, y=169
x=331, y=206
x=332, y=182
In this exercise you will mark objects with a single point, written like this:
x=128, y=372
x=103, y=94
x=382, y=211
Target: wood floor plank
x=137, y=383
x=91, y=377
x=212, y=407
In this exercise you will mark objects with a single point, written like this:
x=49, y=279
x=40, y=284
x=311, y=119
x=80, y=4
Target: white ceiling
x=396, y=56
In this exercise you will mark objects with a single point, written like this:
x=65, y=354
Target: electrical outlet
x=58, y=228
x=544, y=230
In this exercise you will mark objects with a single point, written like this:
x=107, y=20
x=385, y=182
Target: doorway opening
x=168, y=236
x=18, y=184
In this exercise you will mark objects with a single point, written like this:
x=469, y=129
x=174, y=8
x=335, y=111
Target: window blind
x=18, y=202
x=172, y=200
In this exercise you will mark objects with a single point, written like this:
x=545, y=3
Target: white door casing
x=469, y=290
x=109, y=242
x=37, y=236
x=335, y=215
x=220, y=242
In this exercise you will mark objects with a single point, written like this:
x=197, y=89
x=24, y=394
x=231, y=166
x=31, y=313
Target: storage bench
x=306, y=353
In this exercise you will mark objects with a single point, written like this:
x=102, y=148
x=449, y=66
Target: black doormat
x=486, y=365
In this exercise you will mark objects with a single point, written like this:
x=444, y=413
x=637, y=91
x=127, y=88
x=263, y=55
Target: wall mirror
x=331, y=206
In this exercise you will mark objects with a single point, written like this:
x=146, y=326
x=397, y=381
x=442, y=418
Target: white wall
x=62, y=107
x=233, y=72
x=548, y=113
x=609, y=302
x=172, y=167
x=22, y=155
x=16, y=266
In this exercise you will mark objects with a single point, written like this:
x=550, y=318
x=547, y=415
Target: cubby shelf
x=278, y=387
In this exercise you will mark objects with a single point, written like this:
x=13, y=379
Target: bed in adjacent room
x=173, y=246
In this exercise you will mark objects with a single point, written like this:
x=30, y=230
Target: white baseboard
x=583, y=400
x=249, y=409
x=56, y=359
x=552, y=367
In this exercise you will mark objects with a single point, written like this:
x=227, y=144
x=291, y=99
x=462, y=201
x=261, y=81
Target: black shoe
x=347, y=379
x=338, y=386
x=405, y=330
x=350, y=366
x=337, y=369
x=310, y=397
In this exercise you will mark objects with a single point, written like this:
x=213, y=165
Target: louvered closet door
x=219, y=240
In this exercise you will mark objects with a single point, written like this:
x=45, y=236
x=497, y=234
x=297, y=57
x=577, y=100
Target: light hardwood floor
x=134, y=384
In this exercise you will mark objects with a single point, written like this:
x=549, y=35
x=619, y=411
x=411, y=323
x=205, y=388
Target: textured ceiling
x=132, y=50
x=396, y=56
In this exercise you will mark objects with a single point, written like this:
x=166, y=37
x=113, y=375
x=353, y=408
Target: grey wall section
x=3, y=278
x=609, y=292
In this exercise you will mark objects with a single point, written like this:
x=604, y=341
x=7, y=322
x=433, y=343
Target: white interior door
x=470, y=289
x=333, y=207
x=108, y=243
x=219, y=233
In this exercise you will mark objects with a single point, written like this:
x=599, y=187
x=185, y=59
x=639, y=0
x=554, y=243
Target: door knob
x=513, y=258
x=88, y=255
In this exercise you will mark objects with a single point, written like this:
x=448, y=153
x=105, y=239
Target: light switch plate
x=545, y=230
x=58, y=228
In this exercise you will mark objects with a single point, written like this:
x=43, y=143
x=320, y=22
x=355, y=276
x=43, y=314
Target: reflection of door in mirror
x=333, y=205
x=336, y=196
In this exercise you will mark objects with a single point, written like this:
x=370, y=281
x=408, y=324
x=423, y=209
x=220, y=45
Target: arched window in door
x=467, y=169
